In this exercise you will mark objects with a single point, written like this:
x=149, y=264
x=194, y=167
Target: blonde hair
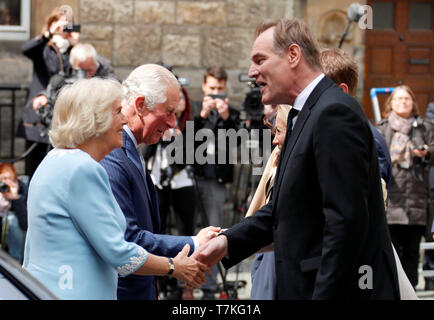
x=83, y=110
x=282, y=112
x=54, y=16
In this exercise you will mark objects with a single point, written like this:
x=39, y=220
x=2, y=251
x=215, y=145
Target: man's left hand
x=222, y=107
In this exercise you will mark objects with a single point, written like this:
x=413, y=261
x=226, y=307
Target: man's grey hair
x=82, y=51
x=150, y=81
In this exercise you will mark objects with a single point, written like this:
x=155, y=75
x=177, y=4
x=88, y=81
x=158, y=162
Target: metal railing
x=374, y=99
x=11, y=103
x=427, y=246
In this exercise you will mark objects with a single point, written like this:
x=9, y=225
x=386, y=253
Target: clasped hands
x=192, y=269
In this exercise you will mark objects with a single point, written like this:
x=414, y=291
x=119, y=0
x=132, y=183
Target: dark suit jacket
x=138, y=201
x=223, y=171
x=326, y=216
x=384, y=160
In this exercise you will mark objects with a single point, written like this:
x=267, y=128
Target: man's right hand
x=39, y=101
x=189, y=270
x=213, y=251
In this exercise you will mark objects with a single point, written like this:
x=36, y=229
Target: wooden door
x=400, y=50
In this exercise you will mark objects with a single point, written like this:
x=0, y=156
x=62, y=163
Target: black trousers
x=183, y=203
x=35, y=157
x=406, y=240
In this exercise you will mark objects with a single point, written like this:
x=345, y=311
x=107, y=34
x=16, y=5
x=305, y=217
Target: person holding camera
x=214, y=112
x=49, y=53
x=13, y=211
x=85, y=63
x=410, y=141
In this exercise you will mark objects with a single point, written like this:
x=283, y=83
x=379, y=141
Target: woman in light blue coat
x=75, y=242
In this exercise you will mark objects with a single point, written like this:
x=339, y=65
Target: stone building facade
x=190, y=35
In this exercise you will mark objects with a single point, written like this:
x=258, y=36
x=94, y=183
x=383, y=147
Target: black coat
x=326, y=216
x=224, y=171
x=47, y=62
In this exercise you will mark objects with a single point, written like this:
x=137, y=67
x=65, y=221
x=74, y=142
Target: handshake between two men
x=211, y=250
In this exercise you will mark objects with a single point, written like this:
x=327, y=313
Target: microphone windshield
x=354, y=12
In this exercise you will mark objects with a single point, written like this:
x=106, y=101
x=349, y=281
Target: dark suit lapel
x=298, y=128
x=299, y=124
x=133, y=155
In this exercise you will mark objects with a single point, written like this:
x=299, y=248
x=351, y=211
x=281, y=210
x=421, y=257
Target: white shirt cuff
x=196, y=242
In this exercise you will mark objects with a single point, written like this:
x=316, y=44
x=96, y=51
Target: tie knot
x=292, y=113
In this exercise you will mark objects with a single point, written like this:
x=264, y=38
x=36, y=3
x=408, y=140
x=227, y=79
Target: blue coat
x=138, y=201
x=75, y=241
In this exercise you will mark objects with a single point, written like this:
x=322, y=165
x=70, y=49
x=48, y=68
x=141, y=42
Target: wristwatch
x=48, y=35
x=171, y=266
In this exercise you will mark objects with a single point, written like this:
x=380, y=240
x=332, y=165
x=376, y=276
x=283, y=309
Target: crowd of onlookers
x=195, y=194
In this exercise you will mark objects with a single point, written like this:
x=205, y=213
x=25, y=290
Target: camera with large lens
x=72, y=28
x=4, y=187
x=252, y=105
x=56, y=83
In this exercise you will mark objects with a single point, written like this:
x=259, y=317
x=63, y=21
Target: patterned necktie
x=291, y=115
x=142, y=160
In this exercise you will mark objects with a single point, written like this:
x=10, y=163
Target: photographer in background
x=49, y=53
x=13, y=211
x=214, y=113
x=85, y=63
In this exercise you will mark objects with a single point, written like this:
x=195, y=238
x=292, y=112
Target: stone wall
x=190, y=35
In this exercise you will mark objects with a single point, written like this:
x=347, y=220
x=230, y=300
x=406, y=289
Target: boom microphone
x=354, y=13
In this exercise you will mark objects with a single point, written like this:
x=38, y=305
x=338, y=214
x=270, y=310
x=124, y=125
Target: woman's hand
x=188, y=269
x=57, y=27
x=207, y=234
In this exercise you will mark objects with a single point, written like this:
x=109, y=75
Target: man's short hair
x=81, y=52
x=217, y=72
x=293, y=31
x=82, y=110
x=150, y=81
x=339, y=66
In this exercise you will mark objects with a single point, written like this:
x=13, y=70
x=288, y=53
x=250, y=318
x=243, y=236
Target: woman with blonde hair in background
x=263, y=268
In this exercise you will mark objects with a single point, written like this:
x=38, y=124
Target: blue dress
x=75, y=241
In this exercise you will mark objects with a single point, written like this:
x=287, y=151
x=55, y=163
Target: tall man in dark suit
x=326, y=216
x=151, y=98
